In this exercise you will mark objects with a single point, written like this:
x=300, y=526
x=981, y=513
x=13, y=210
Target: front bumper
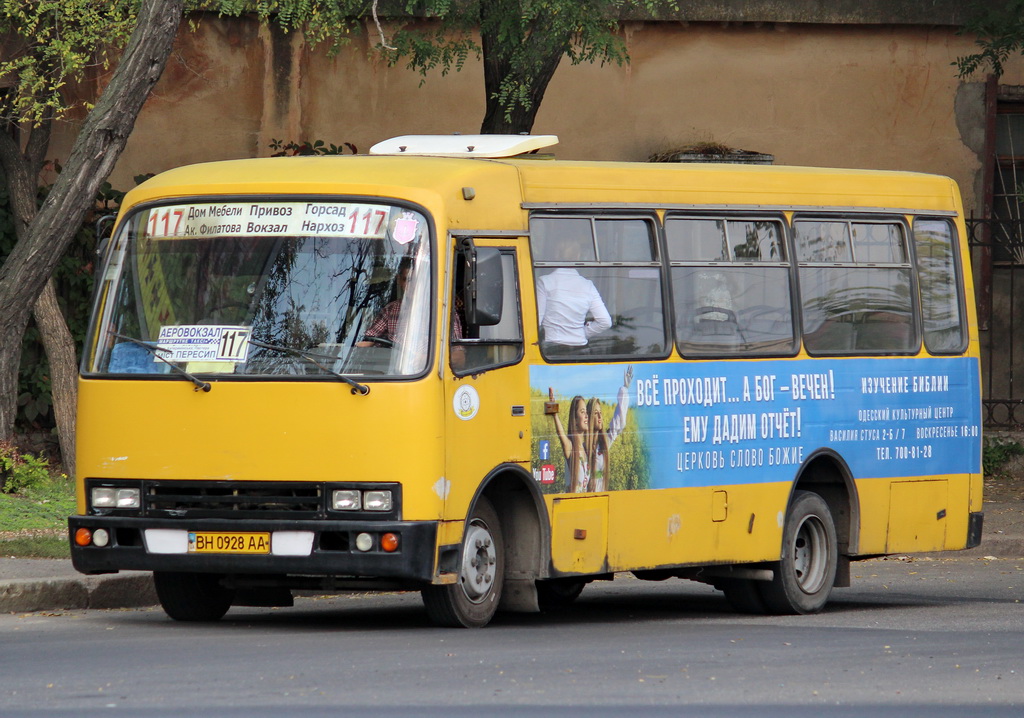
x=333, y=551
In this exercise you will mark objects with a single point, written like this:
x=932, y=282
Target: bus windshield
x=274, y=289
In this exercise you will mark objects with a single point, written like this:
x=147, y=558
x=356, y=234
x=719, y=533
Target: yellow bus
x=460, y=366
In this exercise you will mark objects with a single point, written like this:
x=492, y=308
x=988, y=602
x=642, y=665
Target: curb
x=130, y=589
x=134, y=589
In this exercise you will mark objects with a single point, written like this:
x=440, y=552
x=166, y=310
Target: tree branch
x=21, y=187
x=39, y=143
x=380, y=30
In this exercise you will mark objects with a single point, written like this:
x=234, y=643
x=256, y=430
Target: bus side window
x=730, y=286
x=938, y=272
x=619, y=257
x=855, y=286
x=476, y=348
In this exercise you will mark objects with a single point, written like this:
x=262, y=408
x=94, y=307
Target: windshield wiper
x=311, y=357
x=155, y=351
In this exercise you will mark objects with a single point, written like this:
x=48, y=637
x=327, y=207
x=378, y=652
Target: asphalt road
x=929, y=638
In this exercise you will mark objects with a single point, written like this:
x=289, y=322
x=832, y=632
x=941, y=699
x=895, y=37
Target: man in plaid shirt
x=385, y=326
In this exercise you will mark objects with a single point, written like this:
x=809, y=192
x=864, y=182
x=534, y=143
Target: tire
x=744, y=595
x=557, y=593
x=472, y=601
x=807, y=570
x=654, y=574
x=192, y=596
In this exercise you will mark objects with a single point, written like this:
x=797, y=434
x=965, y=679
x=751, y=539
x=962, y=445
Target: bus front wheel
x=473, y=599
x=806, y=572
x=192, y=596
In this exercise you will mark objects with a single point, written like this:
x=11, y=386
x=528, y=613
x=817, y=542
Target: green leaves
x=316, y=147
x=996, y=453
x=34, y=505
x=22, y=472
x=320, y=21
x=521, y=41
x=51, y=44
x=54, y=42
x=1000, y=33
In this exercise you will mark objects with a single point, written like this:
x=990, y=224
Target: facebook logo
x=544, y=447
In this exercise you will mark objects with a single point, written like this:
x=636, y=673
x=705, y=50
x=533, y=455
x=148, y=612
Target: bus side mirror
x=483, y=289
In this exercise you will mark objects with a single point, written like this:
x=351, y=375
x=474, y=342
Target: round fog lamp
x=83, y=537
x=389, y=542
x=100, y=537
x=364, y=542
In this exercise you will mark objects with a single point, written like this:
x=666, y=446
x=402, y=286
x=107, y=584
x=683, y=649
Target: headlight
x=346, y=500
x=377, y=501
x=112, y=498
x=129, y=498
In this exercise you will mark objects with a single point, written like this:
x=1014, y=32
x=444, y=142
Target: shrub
x=316, y=147
x=997, y=452
x=21, y=472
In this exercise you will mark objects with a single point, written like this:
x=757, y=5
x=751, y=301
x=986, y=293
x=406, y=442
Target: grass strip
x=36, y=547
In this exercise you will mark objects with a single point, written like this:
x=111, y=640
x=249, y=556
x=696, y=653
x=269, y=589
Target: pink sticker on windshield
x=405, y=228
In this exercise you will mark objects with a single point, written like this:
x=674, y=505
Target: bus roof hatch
x=463, y=145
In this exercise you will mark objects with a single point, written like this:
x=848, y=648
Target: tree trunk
x=21, y=170
x=99, y=144
x=517, y=120
x=527, y=61
x=20, y=174
x=60, y=353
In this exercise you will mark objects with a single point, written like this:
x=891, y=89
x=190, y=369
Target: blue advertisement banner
x=665, y=425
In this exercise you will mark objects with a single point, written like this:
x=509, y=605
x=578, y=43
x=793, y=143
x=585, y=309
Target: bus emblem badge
x=466, y=402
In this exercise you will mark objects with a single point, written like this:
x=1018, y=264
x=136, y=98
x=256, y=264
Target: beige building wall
x=865, y=96
x=867, y=87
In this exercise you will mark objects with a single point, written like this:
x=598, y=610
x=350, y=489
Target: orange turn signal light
x=389, y=542
x=83, y=537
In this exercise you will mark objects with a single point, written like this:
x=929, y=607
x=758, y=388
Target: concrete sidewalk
x=28, y=585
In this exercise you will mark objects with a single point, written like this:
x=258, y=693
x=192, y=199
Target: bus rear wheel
x=472, y=601
x=556, y=593
x=806, y=572
x=192, y=596
x=743, y=594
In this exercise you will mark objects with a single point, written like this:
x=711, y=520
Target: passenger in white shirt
x=564, y=300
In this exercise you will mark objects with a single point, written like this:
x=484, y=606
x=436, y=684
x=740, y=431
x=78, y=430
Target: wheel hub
x=809, y=555
x=479, y=563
